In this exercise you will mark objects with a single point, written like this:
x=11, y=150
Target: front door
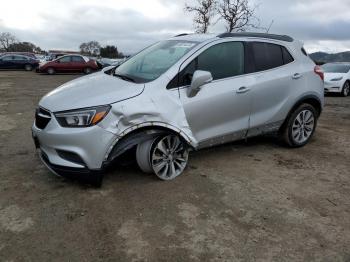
x=220, y=111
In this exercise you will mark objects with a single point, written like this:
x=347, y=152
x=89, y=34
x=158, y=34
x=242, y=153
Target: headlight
x=337, y=79
x=82, y=117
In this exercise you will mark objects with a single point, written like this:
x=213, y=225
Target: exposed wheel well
x=138, y=136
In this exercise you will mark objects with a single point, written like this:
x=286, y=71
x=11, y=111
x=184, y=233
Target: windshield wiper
x=125, y=77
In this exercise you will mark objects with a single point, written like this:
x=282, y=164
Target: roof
x=204, y=37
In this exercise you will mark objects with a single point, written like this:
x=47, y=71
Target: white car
x=337, y=78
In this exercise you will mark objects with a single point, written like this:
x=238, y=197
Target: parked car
x=69, y=63
x=337, y=78
x=18, y=62
x=186, y=93
x=32, y=55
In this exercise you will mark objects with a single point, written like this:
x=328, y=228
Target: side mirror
x=199, y=79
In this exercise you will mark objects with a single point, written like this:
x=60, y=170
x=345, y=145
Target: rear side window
x=78, y=59
x=267, y=56
x=287, y=57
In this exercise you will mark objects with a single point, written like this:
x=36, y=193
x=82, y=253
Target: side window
x=78, y=59
x=65, y=59
x=287, y=57
x=222, y=61
x=7, y=58
x=267, y=56
x=20, y=58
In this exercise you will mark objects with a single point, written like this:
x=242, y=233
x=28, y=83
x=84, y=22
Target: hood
x=92, y=90
x=330, y=76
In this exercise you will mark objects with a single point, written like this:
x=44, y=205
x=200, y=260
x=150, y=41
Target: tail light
x=318, y=71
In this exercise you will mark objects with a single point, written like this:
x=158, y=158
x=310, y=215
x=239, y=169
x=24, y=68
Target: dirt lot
x=246, y=201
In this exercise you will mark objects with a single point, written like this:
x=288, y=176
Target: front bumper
x=332, y=87
x=72, y=151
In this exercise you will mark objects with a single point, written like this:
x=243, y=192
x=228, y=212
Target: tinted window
x=20, y=58
x=65, y=59
x=7, y=58
x=78, y=59
x=287, y=57
x=267, y=56
x=222, y=61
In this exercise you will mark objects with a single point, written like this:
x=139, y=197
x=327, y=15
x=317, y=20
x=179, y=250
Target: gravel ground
x=245, y=201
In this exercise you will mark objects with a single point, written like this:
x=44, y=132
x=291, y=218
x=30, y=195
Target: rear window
x=268, y=56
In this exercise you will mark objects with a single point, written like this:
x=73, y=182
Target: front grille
x=42, y=118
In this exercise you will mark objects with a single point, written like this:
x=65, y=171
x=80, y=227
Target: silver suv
x=187, y=92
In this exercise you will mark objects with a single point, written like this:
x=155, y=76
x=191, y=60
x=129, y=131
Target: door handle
x=297, y=76
x=242, y=90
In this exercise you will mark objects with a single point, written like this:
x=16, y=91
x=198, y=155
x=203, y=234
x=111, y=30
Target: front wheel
x=166, y=156
x=346, y=89
x=51, y=71
x=300, y=126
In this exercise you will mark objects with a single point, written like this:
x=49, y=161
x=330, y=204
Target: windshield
x=334, y=68
x=152, y=62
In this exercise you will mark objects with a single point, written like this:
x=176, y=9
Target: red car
x=69, y=64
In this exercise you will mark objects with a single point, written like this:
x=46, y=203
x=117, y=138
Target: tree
x=109, y=51
x=238, y=15
x=24, y=47
x=6, y=40
x=90, y=48
x=204, y=12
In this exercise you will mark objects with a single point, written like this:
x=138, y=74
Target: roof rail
x=181, y=35
x=285, y=38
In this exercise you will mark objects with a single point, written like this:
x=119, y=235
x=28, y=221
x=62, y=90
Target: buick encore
x=185, y=93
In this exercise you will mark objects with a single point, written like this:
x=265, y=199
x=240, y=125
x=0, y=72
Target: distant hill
x=322, y=57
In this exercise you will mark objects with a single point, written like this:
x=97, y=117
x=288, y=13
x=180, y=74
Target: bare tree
x=204, y=12
x=6, y=40
x=90, y=48
x=238, y=15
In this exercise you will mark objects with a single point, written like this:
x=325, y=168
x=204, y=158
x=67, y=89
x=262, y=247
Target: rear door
x=276, y=74
x=78, y=63
x=19, y=61
x=220, y=111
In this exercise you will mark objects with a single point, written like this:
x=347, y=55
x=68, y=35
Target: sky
x=323, y=25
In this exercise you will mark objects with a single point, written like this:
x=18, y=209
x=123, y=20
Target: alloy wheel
x=169, y=157
x=303, y=126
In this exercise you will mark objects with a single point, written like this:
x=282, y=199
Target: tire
x=51, y=71
x=166, y=156
x=300, y=126
x=346, y=89
x=143, y=157
x=28, y=67
x=87, y=70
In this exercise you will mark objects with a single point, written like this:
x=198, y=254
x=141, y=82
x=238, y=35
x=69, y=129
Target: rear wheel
x=166, y=156
x=28, y=67
x=300, y=126
x=51, y=71
x=346, y=89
